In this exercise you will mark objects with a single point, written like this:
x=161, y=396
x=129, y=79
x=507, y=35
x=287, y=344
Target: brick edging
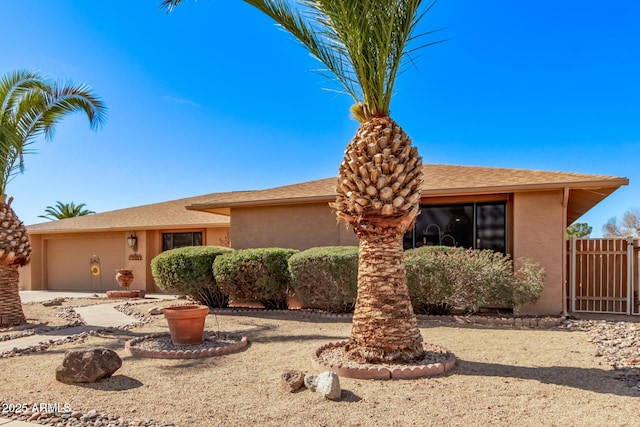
x=131, y=349
x=474, y=319
x=385, y=371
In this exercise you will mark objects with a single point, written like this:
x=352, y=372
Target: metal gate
x=603, y=276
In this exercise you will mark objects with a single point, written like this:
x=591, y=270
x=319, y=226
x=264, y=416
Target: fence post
x=630, y=261
x=572, y=273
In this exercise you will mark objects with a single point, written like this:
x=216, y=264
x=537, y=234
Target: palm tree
x=363, y=44
x=30, y=106
x=65, y=210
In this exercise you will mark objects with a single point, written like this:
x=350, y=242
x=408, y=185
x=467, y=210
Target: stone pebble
x=91, y=418
x=617, y=343
x=68, y=313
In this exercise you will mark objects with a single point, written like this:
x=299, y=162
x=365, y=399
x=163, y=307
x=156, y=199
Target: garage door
x=68, y=263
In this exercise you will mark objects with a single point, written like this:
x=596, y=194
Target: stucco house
x=520, y=212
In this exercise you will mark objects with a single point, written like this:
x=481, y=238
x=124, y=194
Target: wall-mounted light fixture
x=132, y=241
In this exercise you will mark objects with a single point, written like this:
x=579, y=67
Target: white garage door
x=68, y=263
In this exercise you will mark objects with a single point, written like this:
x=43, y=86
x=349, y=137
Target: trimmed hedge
x=261, y=275
x=326, y=278
x=189, y=271
x=442, y=278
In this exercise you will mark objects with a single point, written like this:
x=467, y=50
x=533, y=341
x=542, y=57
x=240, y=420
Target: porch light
x=132, y=240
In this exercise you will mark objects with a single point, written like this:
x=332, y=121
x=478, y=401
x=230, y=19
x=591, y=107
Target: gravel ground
x=504, y=376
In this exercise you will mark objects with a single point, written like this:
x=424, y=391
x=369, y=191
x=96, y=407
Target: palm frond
x=362, y=42
x=31, y=105
x=65, y=210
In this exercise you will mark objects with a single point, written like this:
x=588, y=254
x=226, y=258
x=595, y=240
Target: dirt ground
x=503, y=377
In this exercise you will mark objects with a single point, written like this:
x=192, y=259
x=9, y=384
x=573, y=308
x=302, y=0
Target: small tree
x=630, y=226
x=579, y=230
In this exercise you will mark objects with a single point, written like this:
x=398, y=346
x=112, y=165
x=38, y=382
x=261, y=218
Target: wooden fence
x=603, y=276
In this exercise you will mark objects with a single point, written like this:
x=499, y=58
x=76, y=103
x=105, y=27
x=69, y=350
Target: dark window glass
x=471, y=225
x=490, y=224
x=444, y=226
x=180, y=240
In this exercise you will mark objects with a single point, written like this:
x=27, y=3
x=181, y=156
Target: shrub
x=526, y=286
x=429, y=281
x=326, y=278
x=189, y=271
x=467, y=279
x=261, y=275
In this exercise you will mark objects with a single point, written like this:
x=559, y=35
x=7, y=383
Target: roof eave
x=225, y=208
x=125, y=228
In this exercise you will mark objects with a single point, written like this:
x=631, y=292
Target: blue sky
x=213, y=97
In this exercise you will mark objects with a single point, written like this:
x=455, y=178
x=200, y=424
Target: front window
x=179, y=240
x=469, y=225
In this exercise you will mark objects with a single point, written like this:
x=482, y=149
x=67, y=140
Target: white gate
x=603, y=276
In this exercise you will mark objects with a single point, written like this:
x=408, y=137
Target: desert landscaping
x=504, y=375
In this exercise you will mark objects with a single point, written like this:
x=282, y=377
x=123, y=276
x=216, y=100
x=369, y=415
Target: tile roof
x=212, y=210
x=439, y=180
x=164, y=215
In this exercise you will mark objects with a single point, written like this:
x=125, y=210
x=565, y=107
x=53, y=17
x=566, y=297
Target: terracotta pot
x=186, y=323
x=124, y=277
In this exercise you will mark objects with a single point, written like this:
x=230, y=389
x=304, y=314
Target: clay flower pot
x=186, y=323
x=124, y=277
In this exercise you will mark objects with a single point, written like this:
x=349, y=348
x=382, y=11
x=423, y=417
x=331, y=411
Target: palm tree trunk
x=384, y=327
x=11, y=313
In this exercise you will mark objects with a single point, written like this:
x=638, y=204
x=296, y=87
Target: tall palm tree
x=363, y=44
x=30, y=106
x=65, y=210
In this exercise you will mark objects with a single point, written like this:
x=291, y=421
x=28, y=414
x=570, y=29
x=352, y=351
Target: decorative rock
x=155, y=310
x=292, y=380
x=88, y=366
x=311, y=382
x=328, y=385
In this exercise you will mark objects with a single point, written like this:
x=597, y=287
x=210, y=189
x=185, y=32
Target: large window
x=179, y=240
x=469, y=225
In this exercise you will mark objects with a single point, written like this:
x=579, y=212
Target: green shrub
x=261, y=275
x=445, y=278
x=431, y=286
x=326, y=278
x=189, y=271
x=526, y=286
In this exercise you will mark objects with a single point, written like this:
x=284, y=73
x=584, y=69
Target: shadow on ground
x=113, y=383
x=592, y=379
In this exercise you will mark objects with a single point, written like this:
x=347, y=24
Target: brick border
x=131, y=349
x=384, y=371
x=473, y=319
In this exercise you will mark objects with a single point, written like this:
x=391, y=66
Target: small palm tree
x=65, y=210
x=363, y=44
x=30, y=106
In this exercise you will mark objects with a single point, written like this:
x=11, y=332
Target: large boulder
x=88, y=366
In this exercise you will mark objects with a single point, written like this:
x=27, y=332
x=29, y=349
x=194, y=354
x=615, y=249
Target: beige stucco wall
x=538, y=234
x=294, y=226
x=31, y=275
x=61, y=261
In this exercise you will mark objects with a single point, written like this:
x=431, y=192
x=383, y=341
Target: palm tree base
x=332, y=357
x=11, y=313
x=384, y=326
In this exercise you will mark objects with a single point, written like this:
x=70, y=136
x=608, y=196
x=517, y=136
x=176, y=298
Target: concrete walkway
x=97, y=316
